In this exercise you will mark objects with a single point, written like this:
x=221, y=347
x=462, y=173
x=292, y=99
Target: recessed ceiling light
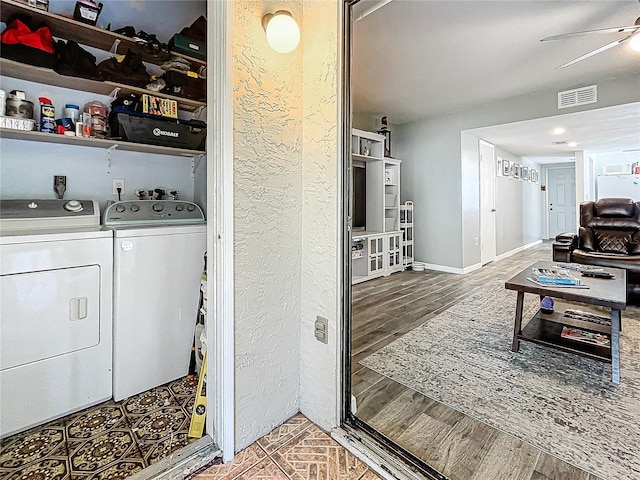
x=558, y=130
x=572, y=144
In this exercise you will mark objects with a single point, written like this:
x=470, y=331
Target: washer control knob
x=157, y=207
x=73, y=206
x=120, y=208
x=179, y=207
x=135, y=208
x=191, y=207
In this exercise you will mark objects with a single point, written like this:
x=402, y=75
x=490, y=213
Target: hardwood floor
x=456, y=445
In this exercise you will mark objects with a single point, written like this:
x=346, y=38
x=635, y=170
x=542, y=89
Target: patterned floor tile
x=184, y=387
x=159, y=425
x=314, y=455
x=155, y=451
x=45, y=469
x=95, y=420
x=105, y=452
x=34, y=445
x=369, y=475
x=148, y=401
x=242, y=462
x=284, y=433
x=265, y=470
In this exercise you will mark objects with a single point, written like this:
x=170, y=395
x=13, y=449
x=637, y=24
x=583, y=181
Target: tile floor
x=109, y=441
x=296, y=450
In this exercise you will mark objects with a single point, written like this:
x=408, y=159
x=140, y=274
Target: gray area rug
x=561, y=403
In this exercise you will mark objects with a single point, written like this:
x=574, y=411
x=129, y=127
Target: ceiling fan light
x=634, y=43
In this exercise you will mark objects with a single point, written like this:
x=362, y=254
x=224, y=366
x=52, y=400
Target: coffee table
x=546, y=329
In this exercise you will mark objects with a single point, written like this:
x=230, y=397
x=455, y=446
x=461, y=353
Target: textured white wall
x=268, y=116
x=319, y=367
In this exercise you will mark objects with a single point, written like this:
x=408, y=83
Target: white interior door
x=487, y=203
x=561, y=183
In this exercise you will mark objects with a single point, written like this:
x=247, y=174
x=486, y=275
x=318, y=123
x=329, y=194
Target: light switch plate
x=321, y=329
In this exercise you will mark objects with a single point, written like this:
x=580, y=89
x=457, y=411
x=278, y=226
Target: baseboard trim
x=443, y=268
x=517, y=250
x=477, y=266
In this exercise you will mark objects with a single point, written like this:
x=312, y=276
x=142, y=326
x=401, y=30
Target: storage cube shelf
x=382, y=240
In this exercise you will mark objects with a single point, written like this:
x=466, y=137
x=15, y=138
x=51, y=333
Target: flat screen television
x=359, y=192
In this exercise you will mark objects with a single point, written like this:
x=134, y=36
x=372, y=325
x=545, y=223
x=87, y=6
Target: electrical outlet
x=321, y=329
x=60, y=185
x=118, y=183
x=59, y=179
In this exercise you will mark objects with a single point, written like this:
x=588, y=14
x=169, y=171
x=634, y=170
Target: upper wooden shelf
x=97, y=143
x=70, y=29
x=10, y=68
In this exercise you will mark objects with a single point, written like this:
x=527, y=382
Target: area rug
x=561, y=403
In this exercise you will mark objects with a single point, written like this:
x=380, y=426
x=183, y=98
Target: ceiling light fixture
x=558, y=131
x=283, y=33
x=634, y=42
x=572, y=144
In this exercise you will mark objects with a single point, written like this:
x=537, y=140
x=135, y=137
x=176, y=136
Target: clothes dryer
x=55, y=310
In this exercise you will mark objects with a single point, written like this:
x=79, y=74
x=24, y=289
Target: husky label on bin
x=157, y=132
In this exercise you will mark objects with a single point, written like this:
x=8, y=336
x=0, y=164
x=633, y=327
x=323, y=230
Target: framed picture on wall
x=535, y=176
x=506, y=170
x=516, y=171
x=525, y=174
x=499, y=167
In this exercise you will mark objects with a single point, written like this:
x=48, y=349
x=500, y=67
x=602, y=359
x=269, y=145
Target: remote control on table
x=597, y=274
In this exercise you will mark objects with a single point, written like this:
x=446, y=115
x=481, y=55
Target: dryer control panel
x=27, y=213
x=152, y=212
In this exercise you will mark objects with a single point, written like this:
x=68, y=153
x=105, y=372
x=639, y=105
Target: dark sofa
x=609, y=236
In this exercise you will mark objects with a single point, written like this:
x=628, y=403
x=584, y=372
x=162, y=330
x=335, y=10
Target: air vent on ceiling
x=578, y=96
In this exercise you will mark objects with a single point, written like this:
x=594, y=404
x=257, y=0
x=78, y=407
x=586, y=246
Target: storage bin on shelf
x=150, y=129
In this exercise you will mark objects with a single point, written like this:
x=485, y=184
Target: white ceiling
x=414, y=59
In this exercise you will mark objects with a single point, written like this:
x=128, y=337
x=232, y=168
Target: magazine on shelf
x=584, y=336
x=554, y=276
x=587, y=316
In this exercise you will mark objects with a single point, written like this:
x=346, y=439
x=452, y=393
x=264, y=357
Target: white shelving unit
x=377, y=251
x=406, y=225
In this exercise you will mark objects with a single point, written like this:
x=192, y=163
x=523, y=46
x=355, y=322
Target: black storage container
x=183, y=85
x=152, y=130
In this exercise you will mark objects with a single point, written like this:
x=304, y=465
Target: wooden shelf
x=70, y=29
x=10, y=68
x=97, y=143
x=546, y=332
x=366, y=158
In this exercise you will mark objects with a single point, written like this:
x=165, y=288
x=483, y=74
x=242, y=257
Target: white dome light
x=634, y=43
x=283, y=33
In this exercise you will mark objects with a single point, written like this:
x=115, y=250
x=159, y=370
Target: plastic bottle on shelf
x=47, y=115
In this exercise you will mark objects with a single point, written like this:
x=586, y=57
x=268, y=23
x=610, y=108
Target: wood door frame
x=220, y=423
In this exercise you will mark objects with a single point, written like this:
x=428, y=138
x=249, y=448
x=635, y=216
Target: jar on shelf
x=99, y=113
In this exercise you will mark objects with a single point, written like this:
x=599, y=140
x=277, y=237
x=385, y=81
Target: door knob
x=493, y=209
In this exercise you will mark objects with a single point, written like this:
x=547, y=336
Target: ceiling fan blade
x=630, y=29
x=595, y=52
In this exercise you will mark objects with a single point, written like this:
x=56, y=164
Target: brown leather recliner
x=609, y=236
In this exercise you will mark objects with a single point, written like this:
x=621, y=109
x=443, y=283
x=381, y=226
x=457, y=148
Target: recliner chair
x=609, y=236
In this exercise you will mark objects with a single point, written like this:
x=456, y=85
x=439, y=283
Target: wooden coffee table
x=545, y=329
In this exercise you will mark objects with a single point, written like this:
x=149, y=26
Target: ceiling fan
x=633, y=38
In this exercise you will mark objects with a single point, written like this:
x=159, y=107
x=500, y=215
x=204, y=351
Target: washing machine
x=158, y=257
x=56, y=264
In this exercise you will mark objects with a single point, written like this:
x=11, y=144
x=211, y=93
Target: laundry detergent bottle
x=47, y=115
